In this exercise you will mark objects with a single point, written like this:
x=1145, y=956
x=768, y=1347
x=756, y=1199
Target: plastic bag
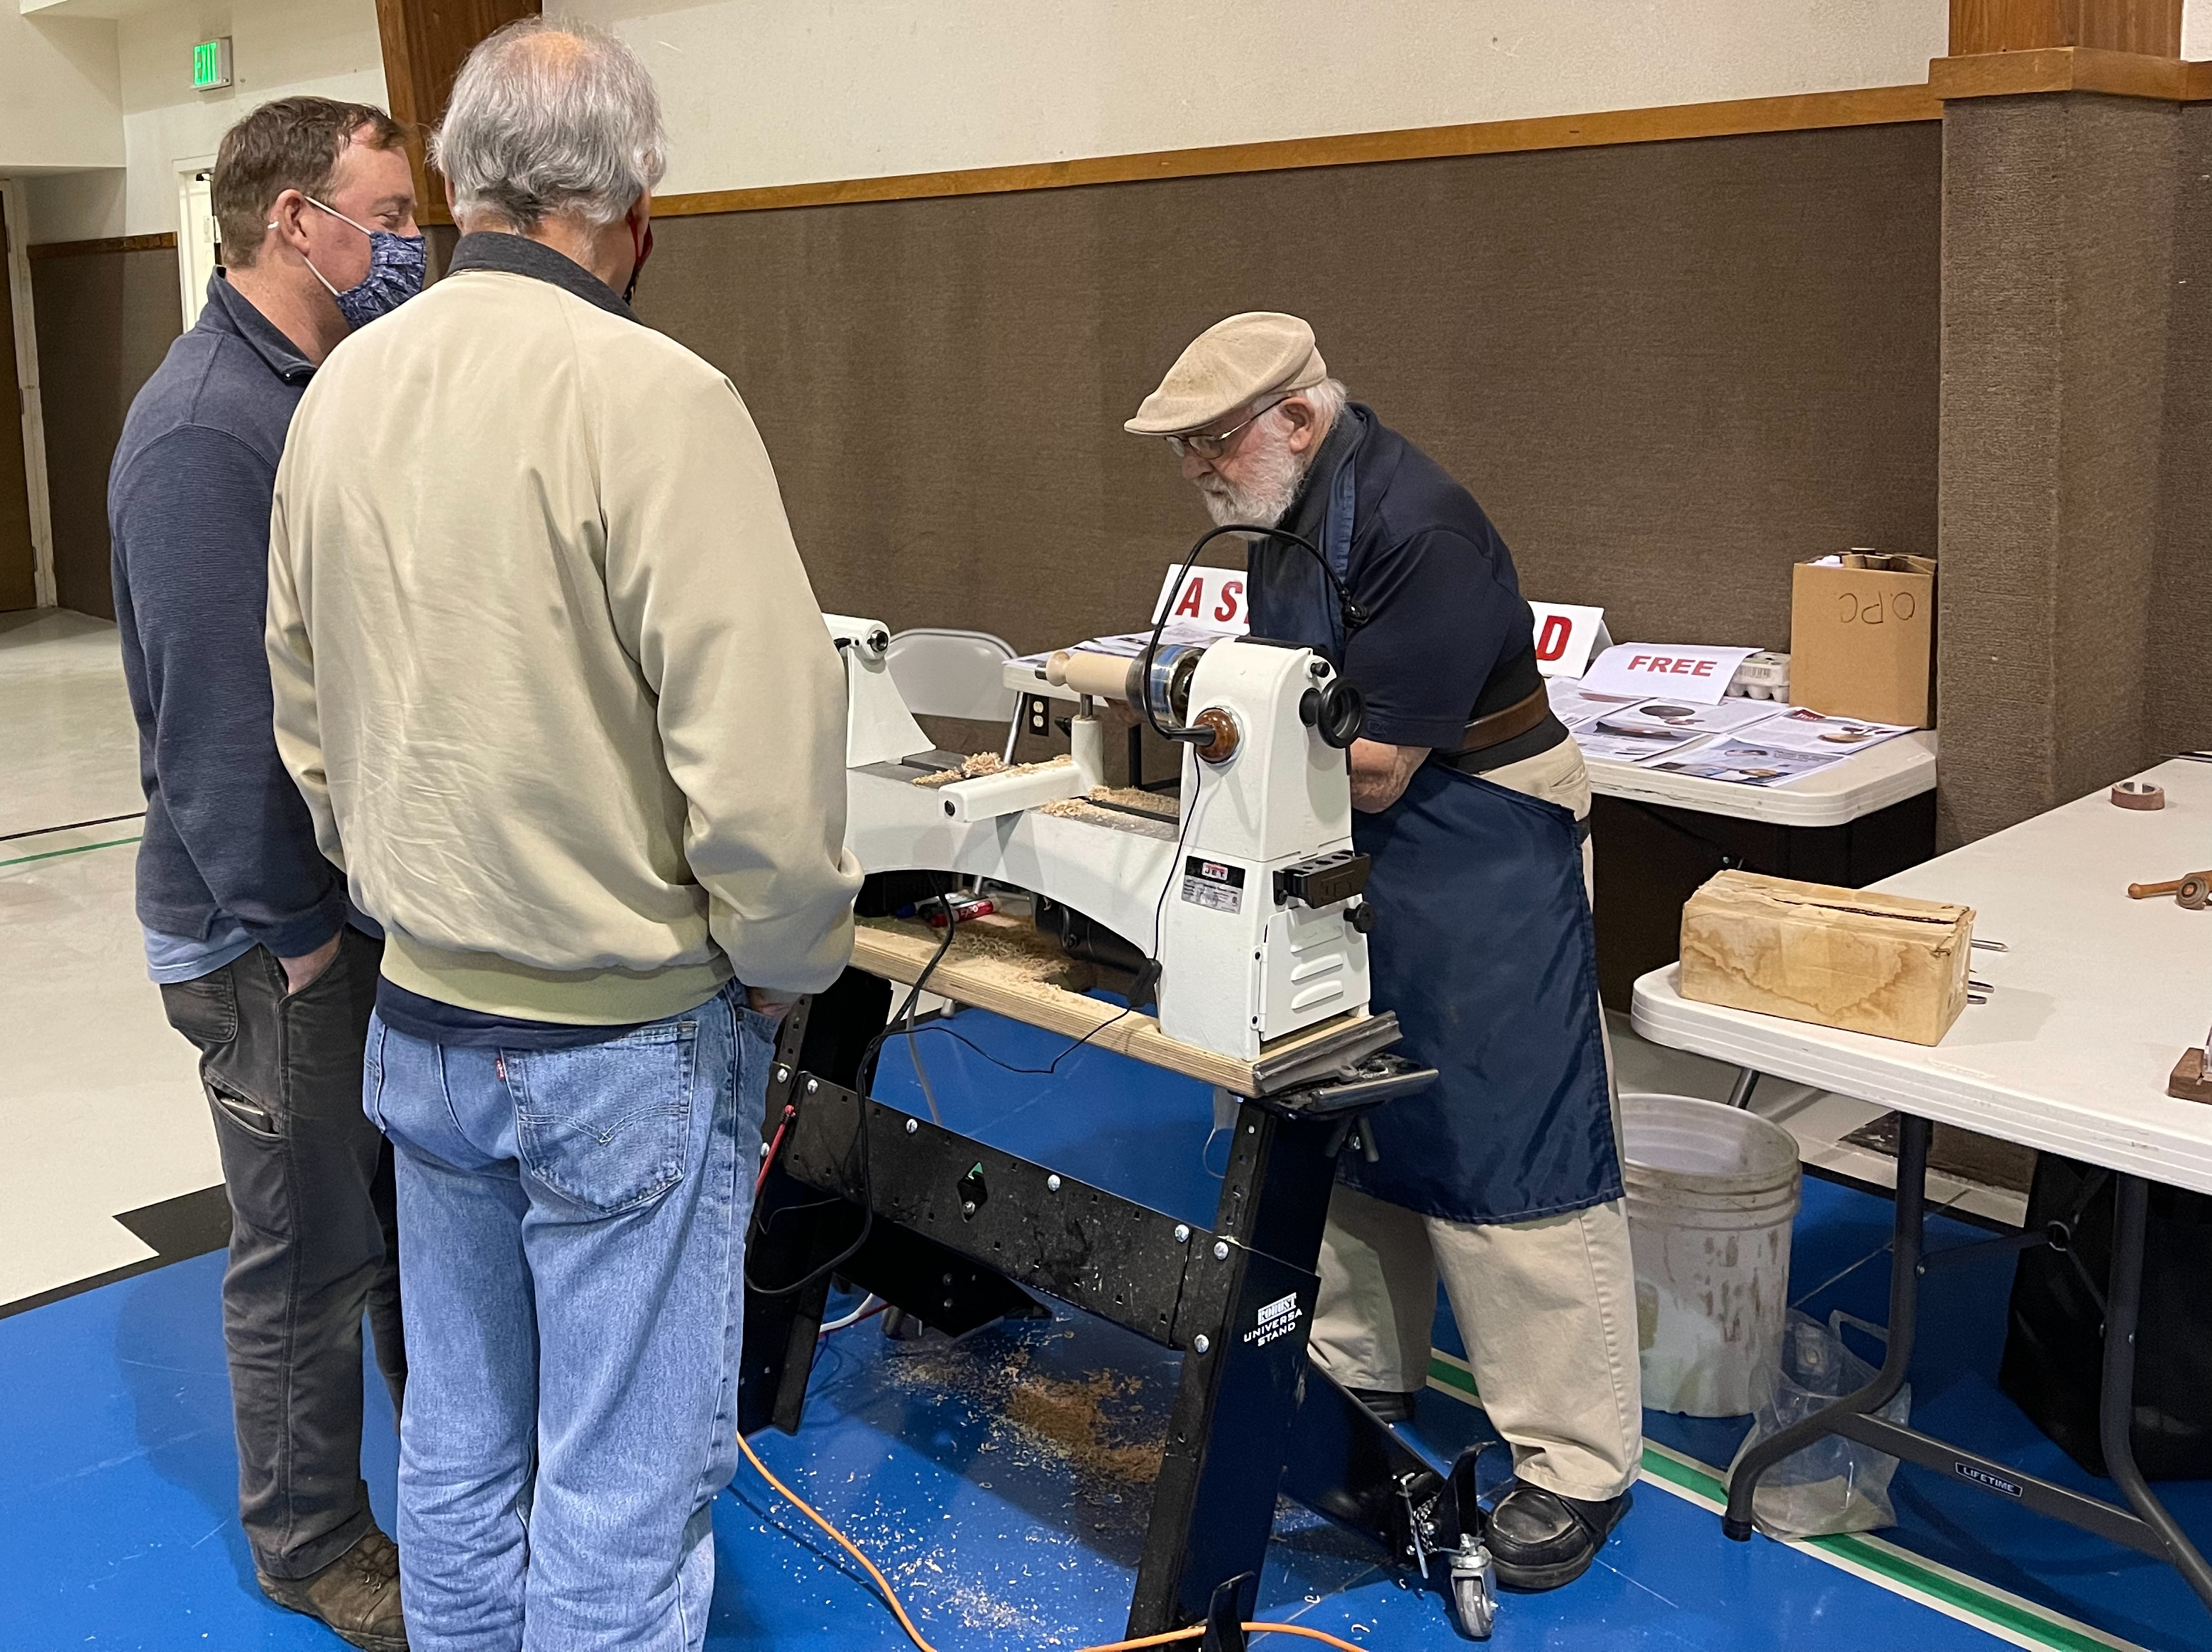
x=1834, y=1484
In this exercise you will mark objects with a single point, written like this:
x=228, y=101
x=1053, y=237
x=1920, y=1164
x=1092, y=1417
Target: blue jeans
x=571, y=1277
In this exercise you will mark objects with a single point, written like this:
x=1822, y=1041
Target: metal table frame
x=960, y=1232
x=2142, y=1524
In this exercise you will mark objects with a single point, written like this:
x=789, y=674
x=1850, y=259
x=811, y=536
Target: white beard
x=1270, y=487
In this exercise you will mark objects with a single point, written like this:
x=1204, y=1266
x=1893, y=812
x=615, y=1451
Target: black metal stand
x=961, y=1231
x=2143, y=1525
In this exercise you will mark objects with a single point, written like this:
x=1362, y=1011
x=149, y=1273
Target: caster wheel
x=1474, y=1593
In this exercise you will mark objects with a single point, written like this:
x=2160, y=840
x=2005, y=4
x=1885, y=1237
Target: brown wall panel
x=2178, y=674
x=105, y=321
x=1668, y=370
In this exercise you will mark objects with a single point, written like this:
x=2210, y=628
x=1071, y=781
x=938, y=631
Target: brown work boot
x=357, y=1594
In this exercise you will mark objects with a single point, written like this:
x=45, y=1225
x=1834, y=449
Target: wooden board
x=1884, y=964
x=1003, y=965
x=1873, y=106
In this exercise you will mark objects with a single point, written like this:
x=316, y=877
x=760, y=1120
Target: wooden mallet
x=2192, y=891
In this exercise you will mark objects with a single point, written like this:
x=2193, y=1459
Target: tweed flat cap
x=1233, y=362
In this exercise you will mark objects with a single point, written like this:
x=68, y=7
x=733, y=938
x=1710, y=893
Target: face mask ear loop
x=309, y=262
x=319, y=275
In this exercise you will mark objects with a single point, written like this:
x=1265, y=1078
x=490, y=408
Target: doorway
x=198, y=240
x=18, y=559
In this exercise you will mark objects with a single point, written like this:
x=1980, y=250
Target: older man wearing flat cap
x=1505, y=1176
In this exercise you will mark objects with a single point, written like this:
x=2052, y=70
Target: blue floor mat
x=1003, y=1482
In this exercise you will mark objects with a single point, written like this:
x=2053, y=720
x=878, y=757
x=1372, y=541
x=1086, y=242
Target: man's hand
x=301, y=973
x=771, y=1005
x=1380, y=771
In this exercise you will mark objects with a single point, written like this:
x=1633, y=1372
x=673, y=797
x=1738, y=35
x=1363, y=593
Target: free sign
x=1686, y=670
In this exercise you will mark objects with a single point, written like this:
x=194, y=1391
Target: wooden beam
x=1812, y=110
x=2067, y=68
x=425, y=43
x=2150, y=27
x=166, y=241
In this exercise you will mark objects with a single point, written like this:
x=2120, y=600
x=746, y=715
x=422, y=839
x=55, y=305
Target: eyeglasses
x=1213, y=445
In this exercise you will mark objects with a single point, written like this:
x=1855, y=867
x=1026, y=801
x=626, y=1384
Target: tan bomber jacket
x=547, y=668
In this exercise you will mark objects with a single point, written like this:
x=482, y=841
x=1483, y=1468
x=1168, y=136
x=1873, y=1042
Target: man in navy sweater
x=262, y=961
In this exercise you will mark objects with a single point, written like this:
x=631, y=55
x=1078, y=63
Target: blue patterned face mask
x=395, y=273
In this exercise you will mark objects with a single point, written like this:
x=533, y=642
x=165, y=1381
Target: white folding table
x=1862, y=783
x=2091, y=1003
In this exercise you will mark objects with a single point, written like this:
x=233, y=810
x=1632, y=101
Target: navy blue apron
x=1483, y=946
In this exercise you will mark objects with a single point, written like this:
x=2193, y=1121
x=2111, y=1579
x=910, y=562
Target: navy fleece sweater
x=226, y=834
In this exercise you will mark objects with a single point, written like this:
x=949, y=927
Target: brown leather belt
x=1500, y=727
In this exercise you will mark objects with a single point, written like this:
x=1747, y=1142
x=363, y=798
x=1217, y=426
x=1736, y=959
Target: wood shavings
x=1151, y=821
x=978, y=764
x=1128, y=796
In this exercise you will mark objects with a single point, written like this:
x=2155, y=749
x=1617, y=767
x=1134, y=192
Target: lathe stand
x=961, y=1232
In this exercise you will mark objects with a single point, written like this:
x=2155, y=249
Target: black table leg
x=1912, y=1136
x=1243, y=1325
x=2116, y=1406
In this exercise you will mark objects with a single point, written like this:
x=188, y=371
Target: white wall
x=773, y=92
x=60, y=92
x=162, y=127
x=2196, y=29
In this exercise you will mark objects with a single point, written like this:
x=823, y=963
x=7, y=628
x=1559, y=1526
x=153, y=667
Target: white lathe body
x=1249, y=901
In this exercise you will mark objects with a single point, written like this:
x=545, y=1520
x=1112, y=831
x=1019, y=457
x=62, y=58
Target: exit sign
x=211, y=64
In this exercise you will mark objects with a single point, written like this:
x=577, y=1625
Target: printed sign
x=1566, y=635
x=1210, y=597
x=1274, y=1321
x=1684, y=671
x=1214, y=884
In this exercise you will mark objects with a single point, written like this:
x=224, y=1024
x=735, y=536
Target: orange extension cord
x=915, y=1635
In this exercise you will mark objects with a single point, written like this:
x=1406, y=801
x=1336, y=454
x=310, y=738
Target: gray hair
x=1327, y=399
x=550, y=117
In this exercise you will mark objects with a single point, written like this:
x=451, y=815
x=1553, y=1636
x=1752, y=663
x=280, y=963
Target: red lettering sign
x=1190, y=603
x=1551, y=642
x=1704, y=669
x=1230, y=590
x=1641, y=660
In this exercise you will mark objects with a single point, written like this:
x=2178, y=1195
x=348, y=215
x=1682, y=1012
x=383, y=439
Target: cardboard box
x=1863, y=638
x=1885, y=964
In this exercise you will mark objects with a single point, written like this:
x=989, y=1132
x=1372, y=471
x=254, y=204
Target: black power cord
x=864, y=1083
x=1352, y=614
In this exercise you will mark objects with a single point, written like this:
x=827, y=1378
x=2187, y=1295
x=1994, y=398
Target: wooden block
x=1884, y=964
x=2190, y=1082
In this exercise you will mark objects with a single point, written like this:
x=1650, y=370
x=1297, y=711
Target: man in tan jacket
x=551, y=679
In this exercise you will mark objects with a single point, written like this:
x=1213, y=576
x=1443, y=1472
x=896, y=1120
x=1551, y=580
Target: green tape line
x=1890, y=1566
x=81, y=848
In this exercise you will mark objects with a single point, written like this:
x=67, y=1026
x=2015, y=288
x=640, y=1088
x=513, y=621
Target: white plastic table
x=2092, y=1002
x=1862, y=783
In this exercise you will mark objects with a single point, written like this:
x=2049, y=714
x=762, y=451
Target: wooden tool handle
x=2144, y=891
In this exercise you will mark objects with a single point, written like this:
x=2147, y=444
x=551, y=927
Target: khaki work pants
x=1547, y=1307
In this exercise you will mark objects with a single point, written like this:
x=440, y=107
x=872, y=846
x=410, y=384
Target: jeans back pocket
x=608, y=1126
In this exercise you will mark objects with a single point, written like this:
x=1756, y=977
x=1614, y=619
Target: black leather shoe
x=1388, y=1403
x=1541, y=1541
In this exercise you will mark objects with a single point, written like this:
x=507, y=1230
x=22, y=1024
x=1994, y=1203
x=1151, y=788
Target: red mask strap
x=642, y=245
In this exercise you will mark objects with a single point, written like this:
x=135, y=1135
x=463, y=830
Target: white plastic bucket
x=1712, y=1191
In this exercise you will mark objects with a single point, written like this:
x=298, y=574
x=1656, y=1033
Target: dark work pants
x=314, y=1241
